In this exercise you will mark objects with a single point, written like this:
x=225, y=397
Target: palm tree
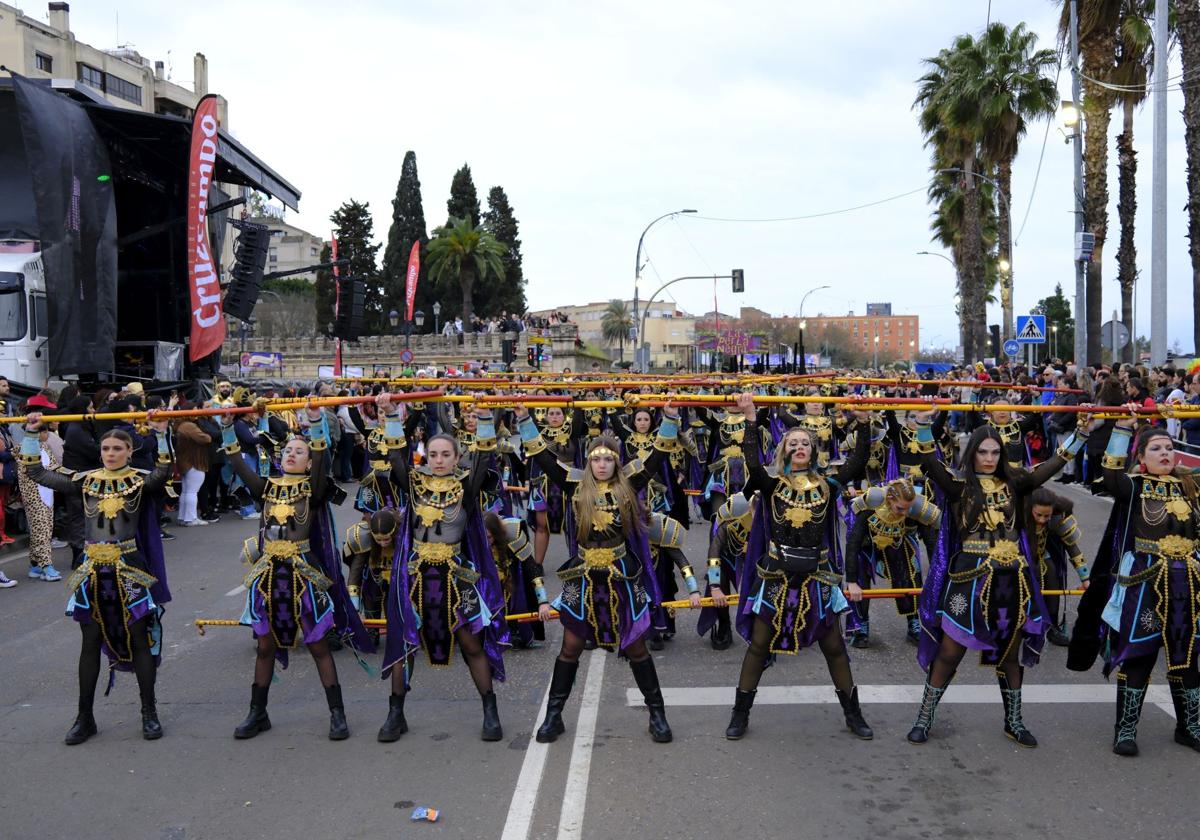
x=1099, y=22
x=1009, y=80
x=466, y=254
x=615, y=324
x=1132, y=71
x=950, y=120
x=1187, y=18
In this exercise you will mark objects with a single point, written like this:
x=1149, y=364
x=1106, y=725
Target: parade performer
x=726, y=553
x=789, y=588
x=665, y=534
x=906, y=450
x=295, y=593
x=367, y=550
x=726, y=462
x=889, y=525
x=445, y=589
x=377, y=489
x=521, y=577
x=609, y=587
x=1056, y=533
x=118, y=592
x=1155, y=597
x=816, y=419
x=982, y=591
x=561, y=432
x=1012, y=431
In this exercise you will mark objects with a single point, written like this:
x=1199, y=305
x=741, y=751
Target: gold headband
x=601, y=451
x=385, y=535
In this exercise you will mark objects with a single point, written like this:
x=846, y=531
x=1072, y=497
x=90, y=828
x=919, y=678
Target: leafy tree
x=465, y=254
x=615, y=324
x=1188, y=32
x=1009, y=81
x=507, y=294
x=464, y=201
x=408, y=226
x=1132, y=72
x=297, y=286
x=324, y=294
x=1057, y=310
x=355, y=231
x=1099, y=22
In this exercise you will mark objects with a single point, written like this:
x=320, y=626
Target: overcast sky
x=597, y=117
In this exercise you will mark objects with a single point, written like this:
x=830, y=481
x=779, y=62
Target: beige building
x=49, y=50
x=670, y=332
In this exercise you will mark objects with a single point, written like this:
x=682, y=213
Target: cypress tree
x=408, y=226
x=505, y=294
x=355, y=231
x=464, y=201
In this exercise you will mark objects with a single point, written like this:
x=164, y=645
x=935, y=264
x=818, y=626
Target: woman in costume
x=890, y=523
x=521, y=577
x=1155, y=599
x=118, y=592
x=790, y=590
x=1056, y=540
x=368, y=551
x=445, y=591
x=726, y=554
x=982, y=591
x=561, y=432
x=609, y=588
x=295, y=593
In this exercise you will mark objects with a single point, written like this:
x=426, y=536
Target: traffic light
x=351, y=292
x=531, y=355
x=250, y=253
x=994, y=329
x=739, y=280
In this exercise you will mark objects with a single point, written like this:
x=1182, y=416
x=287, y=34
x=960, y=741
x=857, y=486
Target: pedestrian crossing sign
x=1031, y=329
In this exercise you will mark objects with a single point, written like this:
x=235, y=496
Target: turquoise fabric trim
x=924, y=433
x=30, y=446
x=1118, y=443
x=528, y=428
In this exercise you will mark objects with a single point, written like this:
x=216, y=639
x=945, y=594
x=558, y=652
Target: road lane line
x=237, y=590
x=570, y=821
x=520, y=810
x=902, y=694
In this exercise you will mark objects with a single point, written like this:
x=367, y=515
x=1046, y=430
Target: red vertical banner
x=337, y=342
x=204, y=282
x=410, y=282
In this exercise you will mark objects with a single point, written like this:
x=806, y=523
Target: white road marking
x=520, y=810
x=773, y=695
x=570, y=821
x=237, y=590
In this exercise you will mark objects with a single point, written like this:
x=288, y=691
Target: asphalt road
x=797, y=773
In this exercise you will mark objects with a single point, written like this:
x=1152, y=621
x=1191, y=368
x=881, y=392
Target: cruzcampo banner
x=204, y=283
x=410, y=283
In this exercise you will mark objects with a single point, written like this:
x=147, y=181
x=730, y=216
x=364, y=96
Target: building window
x=118, y=87
x=44, y=62
x=91, y=76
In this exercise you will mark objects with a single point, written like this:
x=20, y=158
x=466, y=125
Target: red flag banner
x=410, y=286
x=204, y=284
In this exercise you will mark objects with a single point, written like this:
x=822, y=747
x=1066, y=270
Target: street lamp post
x=637, y=278
x=800, y=348
x=437, y=310
x=1054, y=337
x=876, y=363
x=957, y=298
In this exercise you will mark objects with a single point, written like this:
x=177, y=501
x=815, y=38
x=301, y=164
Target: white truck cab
x=24, y=318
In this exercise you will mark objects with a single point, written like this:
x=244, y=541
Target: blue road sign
x=1031, y=329
x=1012, y=347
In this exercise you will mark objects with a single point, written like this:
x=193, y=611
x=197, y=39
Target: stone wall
x=302, y=356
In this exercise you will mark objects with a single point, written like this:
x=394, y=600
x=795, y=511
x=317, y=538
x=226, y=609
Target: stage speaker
x=250, y=254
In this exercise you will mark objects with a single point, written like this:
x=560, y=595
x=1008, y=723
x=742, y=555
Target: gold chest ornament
x=801, y=499
x=886, y=528
x=642, y=444
x=282, y=497
x=434, y=494
x=1169, y=491
x=112, y=491
x=733, y=430
x=819, y=425
x=996, y=499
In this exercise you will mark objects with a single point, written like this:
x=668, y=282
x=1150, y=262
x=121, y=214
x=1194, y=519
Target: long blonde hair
x=587, y=495
x=781, y=460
